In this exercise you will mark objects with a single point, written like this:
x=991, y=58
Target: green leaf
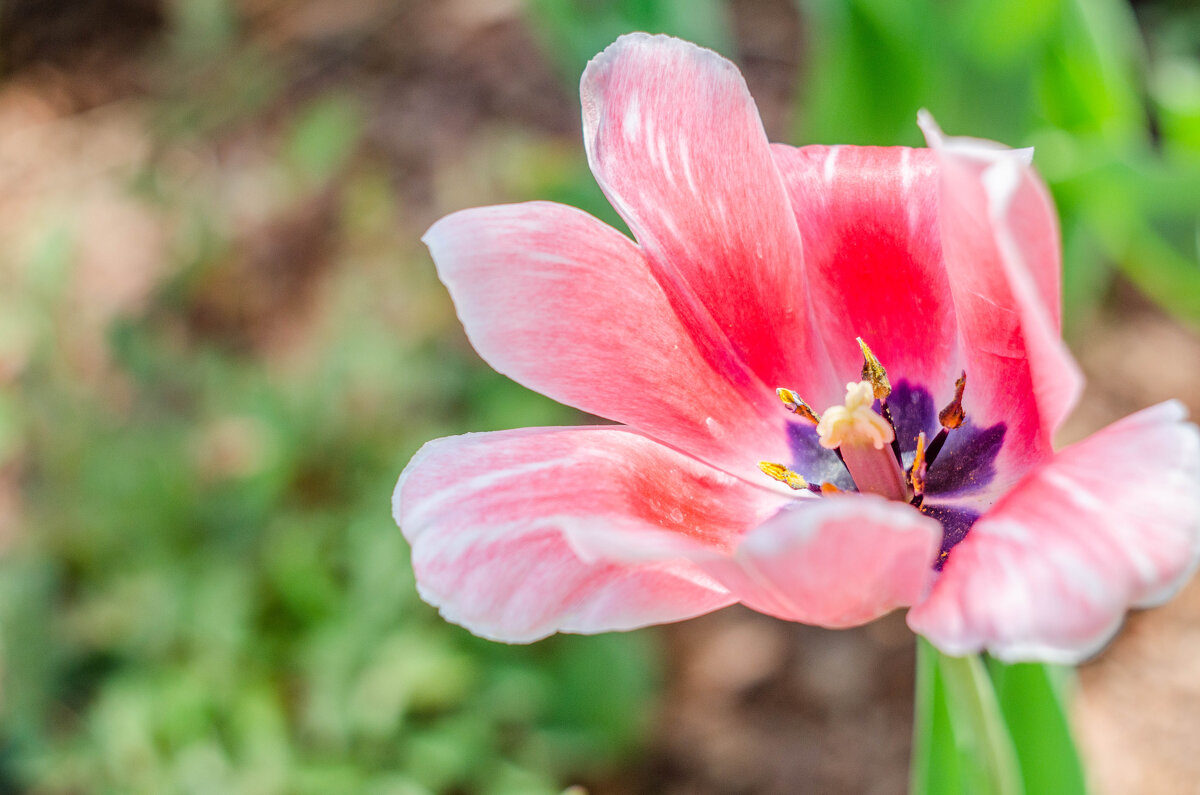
x=1033, y=698
x=962, y=743
x=934, y=761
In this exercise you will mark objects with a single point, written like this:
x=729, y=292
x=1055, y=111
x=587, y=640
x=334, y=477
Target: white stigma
x=856, y=423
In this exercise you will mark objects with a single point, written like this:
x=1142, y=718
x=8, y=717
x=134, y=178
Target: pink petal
x=567, y=306
x=835, y=562
x=1048, y=573
x=509, y=530
x=1000, y=239
x=868, y=217
x=676, y=142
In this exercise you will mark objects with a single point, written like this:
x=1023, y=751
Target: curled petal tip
x=976, y=148
x=933, y=133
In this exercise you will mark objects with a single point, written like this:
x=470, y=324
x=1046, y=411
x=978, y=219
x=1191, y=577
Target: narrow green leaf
x=1033, y=698
x=973, y=751
x=934, y=768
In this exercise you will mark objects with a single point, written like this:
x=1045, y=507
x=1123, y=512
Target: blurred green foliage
x=576, y=30
x=207, y=593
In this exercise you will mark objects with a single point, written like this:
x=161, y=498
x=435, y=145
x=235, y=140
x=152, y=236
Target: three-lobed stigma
x=855, y=422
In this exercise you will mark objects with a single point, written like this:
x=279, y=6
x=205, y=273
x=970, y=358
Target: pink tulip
x=760, y=266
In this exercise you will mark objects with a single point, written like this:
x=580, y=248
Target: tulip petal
x=510, y=530
x=868, y=217
x=1000, y=239
x=675, y=141
x=567, y=306
x=1048, y=573
x=835, y=562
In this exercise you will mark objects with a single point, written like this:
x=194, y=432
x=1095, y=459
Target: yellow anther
x=829, y=488
x=783, y=475
x=916, y=473
x=874, y=372
x=953, y=415
x=856, y=422
x=796, y=405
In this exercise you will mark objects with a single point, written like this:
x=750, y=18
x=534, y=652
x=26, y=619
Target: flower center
x=862, y=432
x=849, y=448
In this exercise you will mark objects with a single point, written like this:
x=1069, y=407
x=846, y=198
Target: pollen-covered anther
x=856, y=422
x=950, y=418
x=953, y=415
x=874, y=372
x=916, y=473
x=795, y=404
x=783, y=475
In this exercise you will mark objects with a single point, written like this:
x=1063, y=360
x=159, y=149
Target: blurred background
x=220, y=342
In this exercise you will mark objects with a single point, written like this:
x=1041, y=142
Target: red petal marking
x=520, y=534
x=567, y=306
x=1048, y=573
x=868, y=217
x=834, y=562
x=1000, y=239
x=675, y=140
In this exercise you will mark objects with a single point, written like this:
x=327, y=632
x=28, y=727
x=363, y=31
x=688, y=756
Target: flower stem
x=960, y=740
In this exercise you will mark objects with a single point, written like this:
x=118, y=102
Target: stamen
x=935, y=447
x=783, y=475
x=916, y=474
x=950, y=418
x=953, y=415
x=829, y=488
x=873, y=372
x=793, y=403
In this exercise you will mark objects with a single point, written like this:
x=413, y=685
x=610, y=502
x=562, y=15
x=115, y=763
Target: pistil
x=863, y=438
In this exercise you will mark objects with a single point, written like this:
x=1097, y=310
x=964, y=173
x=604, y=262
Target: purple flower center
x=964, y=466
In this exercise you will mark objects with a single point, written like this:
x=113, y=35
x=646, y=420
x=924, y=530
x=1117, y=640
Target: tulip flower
x=835, y=374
